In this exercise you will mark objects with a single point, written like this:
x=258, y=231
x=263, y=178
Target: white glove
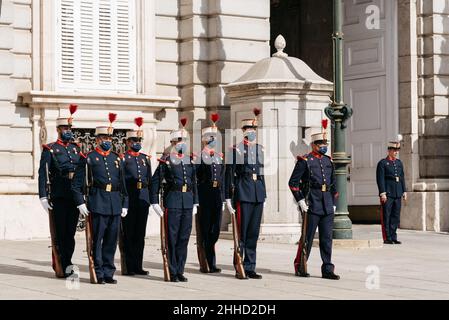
x=404, y=196
x=195, y=209
x=157, y=208
x=264, y=204
x=83, y=210
x=223, y=207
x=124, y=212
x=335, y=208
x=302, y=204
x=229, y=205
x=45, y=204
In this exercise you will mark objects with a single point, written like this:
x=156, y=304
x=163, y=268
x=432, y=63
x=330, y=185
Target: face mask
x=67, y=135
x=106, y=145
x=322, y=150
x=212, y=143
x=181, y=147
x=136, y=147
x=251, y=136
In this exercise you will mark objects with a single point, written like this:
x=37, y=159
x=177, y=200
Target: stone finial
x=280, y=45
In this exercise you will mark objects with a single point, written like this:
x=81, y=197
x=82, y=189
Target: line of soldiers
x=114, y=192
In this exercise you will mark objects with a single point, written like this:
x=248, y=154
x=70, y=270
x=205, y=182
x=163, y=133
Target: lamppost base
x=342, y=227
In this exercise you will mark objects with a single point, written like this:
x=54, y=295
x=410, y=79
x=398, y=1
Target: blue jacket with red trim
x=107, y=189
x=245, y=181
x=317, y=174
x=61, y=159
x=174, y=172
x=137, y=174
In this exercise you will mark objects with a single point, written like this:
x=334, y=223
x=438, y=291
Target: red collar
x=391, y=159
x=317, y=155
x=134, y=154
x=178, y=155
x=247, y=143
x=62, y=143
x=101, y=152
x=209, y=151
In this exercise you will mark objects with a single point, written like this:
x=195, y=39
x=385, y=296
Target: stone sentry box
x=292, y=98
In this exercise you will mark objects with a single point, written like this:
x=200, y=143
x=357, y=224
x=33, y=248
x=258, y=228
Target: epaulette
x=119, y=155
x=83, y=155
x=162, y=160
x=145, y=155
x=46, y=146
x=304, y=157
x=330, y=158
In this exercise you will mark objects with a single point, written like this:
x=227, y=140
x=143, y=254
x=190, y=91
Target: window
x=96, y=45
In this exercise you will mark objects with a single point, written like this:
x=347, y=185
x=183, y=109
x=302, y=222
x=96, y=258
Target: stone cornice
x=44, y=99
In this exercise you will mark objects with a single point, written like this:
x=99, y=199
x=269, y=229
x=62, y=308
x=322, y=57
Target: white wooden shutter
x=96, y=44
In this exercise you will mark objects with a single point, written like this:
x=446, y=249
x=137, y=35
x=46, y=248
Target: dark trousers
x=179, y=226
x=210, y=221
x=325, y=225
x=66, y=215
x=391, y=211
x=105, y=235
x=249, y=216
x=134, y=227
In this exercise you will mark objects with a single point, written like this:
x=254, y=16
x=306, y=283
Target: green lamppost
x=338, y=112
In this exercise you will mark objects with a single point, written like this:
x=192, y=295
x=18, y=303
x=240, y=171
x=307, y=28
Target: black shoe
x=388, y=242
x=129, y=273
x=331, y=276
x=214, y=270
x=253, y=275
x=142, y=272
x=174, y=278
x=100, y=281
x=241, y=278
x=397, y=242
x=182, y=278
x=302, y=274
x=110, y=280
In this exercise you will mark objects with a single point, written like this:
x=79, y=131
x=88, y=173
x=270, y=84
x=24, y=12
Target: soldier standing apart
x=391, y=185
x=176, y=175
x=313, y=186
x=245, y=184
x=137, y=178
x=210, y=176
x=106, y=201
x=60, y=159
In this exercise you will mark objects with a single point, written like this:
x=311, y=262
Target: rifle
x=238, y=263
x=204, y=266
x=55, y=255
x=89, y=236
x=164, y=241
x=301, y=255
x=121, y=245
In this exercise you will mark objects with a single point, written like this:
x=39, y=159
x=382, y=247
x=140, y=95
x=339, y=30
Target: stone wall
x=423, y=115
x=15, y=77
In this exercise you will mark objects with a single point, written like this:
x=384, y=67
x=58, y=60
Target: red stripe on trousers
x=384, y=232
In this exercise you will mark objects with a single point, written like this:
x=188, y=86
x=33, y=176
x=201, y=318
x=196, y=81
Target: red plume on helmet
x=112, y=117
x=183, y=122
x=324, y=123
x=138, y=121
x=256, y=111
x=73, y=107
x=214, y=117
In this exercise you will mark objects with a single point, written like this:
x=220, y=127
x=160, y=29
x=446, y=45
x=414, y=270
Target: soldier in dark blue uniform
x=245, y=184
x=61, y=158
x=176, y=175
x=313, y=186
x=210, y=175
x=391, y=185
x=137, y=177
x=106, y=201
